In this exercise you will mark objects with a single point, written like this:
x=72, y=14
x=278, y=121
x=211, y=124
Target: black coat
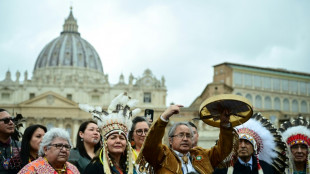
x=242, y=169
x=97, y=168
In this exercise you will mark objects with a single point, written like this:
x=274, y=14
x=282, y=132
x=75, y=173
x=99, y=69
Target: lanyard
x=6, y=160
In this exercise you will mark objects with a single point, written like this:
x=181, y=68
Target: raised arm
x=153, y=149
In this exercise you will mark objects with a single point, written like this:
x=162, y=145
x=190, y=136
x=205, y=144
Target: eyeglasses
x=141, y=131
x=7, y=120
x=182, y=135
x=60, y=146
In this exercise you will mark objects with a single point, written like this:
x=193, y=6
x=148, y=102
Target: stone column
x=75, y=128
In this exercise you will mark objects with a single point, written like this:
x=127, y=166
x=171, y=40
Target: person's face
x=300, y=152
x=181, y=143
x=139, y=133
x=116, y=144
x=55, y=154
x=6, y=124
x=246, y=149
x=195, y=137
x=36, y=139
x=91, y=134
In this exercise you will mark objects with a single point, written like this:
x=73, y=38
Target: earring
x=132, y=143
x=82, y=139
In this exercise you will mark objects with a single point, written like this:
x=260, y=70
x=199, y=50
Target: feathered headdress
x=116, y=119
x=266, y=140
x=118, y=116
x=18, y=121
x=296, y=132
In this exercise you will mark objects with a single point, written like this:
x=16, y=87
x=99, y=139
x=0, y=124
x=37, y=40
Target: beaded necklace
x=60, y=171
x=6, y=159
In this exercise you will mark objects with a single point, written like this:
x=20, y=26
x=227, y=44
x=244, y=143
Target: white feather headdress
x=266, y=140
x=118, y=116
x=295, y=132
x=116, y=119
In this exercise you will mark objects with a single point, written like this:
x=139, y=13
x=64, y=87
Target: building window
x=49, y=126
x=248, y=80
x=238, y=93
x=258, y=101
x=303, y=88
x=293, y=86
x=69, y=96
x=5, y=96
x=267, y=83
x=295, y=106
x=308, y=88
x=68, y=129
x=276, y=84
x=286, y=105
x=304, y=108
x=277, y=104
x=147, y=97
x=31, y=95
x=285, y=85
x=267, y=103
x=237, y=78
x=249, y=97
x=273, y=119
x=95, y=98
x=257, y=81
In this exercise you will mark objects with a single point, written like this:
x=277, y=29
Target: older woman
x=116, y=155
x=29, y=149
x=87, y=143
x=54, y=152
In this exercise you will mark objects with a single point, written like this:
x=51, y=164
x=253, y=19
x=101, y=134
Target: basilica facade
x=67, y=72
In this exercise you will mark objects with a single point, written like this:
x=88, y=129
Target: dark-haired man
x=8, y=146
x=195, y=134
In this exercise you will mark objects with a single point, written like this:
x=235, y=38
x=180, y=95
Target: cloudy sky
x=179, y=39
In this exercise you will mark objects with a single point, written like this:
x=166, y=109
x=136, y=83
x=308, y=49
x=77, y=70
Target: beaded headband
x=266, y=140
x=252, y=137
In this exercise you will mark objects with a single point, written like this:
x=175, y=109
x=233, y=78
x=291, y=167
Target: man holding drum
x=179, y=157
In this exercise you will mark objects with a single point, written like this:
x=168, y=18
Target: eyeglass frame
x=7, y=120
x=143, y=131
x=61, y=146
x=182, y=135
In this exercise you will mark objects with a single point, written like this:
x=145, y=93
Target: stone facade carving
x=68, y=71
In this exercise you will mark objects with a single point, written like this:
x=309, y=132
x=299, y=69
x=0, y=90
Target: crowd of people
x=117, y=141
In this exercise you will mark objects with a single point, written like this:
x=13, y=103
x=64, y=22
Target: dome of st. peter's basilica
x=69, y=59
x=69, y=49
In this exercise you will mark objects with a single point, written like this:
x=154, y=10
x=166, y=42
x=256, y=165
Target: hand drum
x=236, y=107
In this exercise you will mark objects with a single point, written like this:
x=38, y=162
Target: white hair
x=50, y=136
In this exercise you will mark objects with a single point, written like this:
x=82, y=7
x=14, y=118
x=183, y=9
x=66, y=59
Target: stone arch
x=295, y=106
x=238, y=93
x=258, y=101
x=304, y=108
x=277, y=103
x=249, y=97
x=267, y=103
x=286, y=105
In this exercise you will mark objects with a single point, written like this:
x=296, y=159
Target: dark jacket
x=242, y=169
x=97, y=168
x=76, y=159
